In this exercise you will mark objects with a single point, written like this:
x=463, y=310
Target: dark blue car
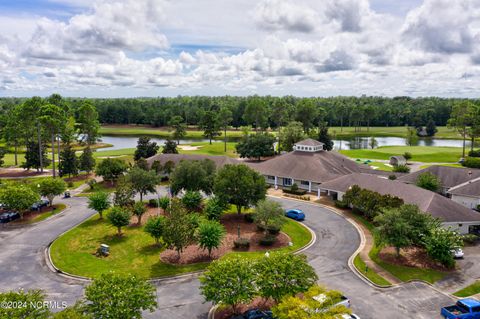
x=296, y=214
x=255, y=314
x=8, y=217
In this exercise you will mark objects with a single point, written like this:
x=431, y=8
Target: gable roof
x=448, y=176
x=310, y=142
x=176, y=158
x=470, y=188
x=316, y=167
x=437, y=205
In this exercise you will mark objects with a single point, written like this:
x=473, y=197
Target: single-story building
x=449, y=212
x=308, y=166
x=398, y=160
x=467, y=194
x=449, y=176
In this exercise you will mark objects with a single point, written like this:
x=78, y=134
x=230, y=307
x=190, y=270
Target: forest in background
x=269, y=111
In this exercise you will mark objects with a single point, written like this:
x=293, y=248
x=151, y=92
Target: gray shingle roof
x=449, y=176
x=316, y=167
x=429, y=202
x=470, y=188
x=310, y=142
x=176, y=158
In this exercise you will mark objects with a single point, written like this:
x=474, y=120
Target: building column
x=276, y=180
x=309, y=186
x=318, y=192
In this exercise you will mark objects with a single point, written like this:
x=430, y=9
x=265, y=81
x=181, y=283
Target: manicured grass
x=102, y=186
x=403, y=273
x=407, y=273
x=468, y=291
x=58, y=208
x=427, y=154
x=216, y=149
x=160, y=132
x=134, y=252
x=370, y=274
x=450, y=165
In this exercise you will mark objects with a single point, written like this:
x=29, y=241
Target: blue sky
x=212, y=47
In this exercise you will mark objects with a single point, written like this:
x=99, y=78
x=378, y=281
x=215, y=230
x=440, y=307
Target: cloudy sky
x=119, y=48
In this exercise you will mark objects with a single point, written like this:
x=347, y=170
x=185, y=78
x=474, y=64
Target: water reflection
x=364, y=142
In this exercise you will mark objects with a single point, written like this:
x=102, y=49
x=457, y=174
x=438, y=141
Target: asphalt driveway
x=22, y=266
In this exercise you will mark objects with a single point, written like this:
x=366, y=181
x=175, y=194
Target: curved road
x=22, y=265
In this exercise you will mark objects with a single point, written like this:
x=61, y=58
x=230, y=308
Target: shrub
x=249, y=218
x=192, y=201
x=154, y=227
x=91, y=183
x=470, y=239
x=241, y=243
x=210, y=235
x=294, y=190
x=118, y=217
x=153, y=202
x=307, y=198
x=474, y=153
x=392, y=177
x=341, y=204
x=268, y=240
x=401, y=169
x=214, y=208
x=407, y=155
x=70, y=184
x=472, y=162
x=273, y=230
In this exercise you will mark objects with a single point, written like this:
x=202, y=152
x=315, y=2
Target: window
x=271, y=177
x=305, y=183
x=287, y=182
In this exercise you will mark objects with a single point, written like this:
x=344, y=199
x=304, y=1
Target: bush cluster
x=472, y=162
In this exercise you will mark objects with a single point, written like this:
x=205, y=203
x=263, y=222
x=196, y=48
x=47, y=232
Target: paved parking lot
x=22, y=266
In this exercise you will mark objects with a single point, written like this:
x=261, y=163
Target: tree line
x=269, y=111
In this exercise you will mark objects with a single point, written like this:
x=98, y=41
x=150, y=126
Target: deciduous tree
x=143, y=182
x=154, y=227
x=118, y=217
x=145, y=148
x=428, y=181
x=99, y=202
x=18, y=197
x=51, y=187
x=111, y=168
x=193, y=176
x=256, y=146
x=210, y=235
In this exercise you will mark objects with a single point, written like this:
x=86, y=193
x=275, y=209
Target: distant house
x=398, y=160
x=449, y=212
x=467, y=194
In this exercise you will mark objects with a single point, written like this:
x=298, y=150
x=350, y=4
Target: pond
x=364, y=142
x=120, y=142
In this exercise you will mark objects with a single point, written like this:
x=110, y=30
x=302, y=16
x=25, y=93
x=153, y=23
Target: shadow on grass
x=151, y=250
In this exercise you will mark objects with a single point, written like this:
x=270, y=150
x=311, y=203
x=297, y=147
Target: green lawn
x=471, y=290
x=58, y=208
x=373, y=276
x=450, y=165
x=401, y=272
x=427, y=154
x=133, y=253
x=212, y=149
x=161, y=132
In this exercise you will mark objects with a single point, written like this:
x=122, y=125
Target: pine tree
x=431, y=128
x=68, y=162
x=86, y=160
x=32, y=158
x=324, y=137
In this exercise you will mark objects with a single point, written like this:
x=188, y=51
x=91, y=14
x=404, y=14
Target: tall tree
x=51, y=187
x=145, y=148
x=256, y=112
x=179, y=230
x=52, y=118
x=461, y=118
x=88, y=124
x=179, y=128
x=111, y=168
x=143, y=182
x=169, y=147
x=193, y=176
x=239, y=185
x=210, y=235
x=256, y=146
x=224, y=119
x=32, y=158
x=306, y=113
x=210, y=125
x=86, y=160
x=324, y=137
x=289, y=135
x=68, y=162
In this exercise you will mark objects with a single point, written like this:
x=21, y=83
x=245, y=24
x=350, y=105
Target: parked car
x=344, y=301
x=467, y=308
x=40, y=204
x=8, y=217
x=295, y=214
x=351, y=316
x=255, y=314
x=457, y=253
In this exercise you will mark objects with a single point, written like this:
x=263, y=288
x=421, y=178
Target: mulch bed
x=194, y=254
x=151, y=212
x=15, y=172
x=410, y=257
x=257, y=303
x=79, y=178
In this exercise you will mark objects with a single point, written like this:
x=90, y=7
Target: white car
x=352, y=316
x=457, y=253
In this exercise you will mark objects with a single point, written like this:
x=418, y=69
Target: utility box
x=105, y=249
